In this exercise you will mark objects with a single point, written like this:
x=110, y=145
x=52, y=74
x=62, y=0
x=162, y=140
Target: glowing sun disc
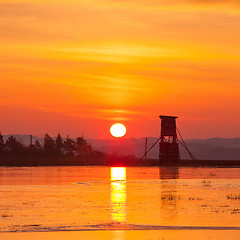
x=118, y=130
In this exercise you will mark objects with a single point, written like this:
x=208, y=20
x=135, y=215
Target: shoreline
x=112, y=162
x=125, y=235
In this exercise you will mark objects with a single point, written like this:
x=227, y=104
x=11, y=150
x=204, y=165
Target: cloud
x=55, y=22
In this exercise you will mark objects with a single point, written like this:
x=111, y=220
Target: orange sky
x=76, y=67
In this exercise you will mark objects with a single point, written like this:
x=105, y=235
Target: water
x=47, y=199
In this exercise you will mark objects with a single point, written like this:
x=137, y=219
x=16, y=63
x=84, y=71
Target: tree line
x=58, y=151
x=51, y=147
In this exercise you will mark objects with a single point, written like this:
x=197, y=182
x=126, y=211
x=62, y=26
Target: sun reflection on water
x=118, y=193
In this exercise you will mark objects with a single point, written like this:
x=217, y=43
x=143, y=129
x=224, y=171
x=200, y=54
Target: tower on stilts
x=168, y=144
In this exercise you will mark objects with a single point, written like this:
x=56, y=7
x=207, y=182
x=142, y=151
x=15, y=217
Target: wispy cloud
x=109, y=59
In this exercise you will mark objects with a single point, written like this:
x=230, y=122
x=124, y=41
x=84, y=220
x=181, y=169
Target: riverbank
x=126, y=235
x=127, y=161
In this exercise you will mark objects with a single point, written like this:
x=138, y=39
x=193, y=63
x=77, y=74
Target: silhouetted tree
x=35, y=149
x=2, y=145
x=82, y=147
x=37, y=145
x=59, y=144
x=14, y=147
x=49, y=145
x=69, y=146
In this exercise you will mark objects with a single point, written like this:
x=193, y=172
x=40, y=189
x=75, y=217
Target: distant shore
x=127, y=161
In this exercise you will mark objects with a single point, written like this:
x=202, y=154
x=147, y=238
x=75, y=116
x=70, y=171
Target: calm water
x=96, y=198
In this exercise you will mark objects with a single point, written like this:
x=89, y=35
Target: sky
x=78, y=66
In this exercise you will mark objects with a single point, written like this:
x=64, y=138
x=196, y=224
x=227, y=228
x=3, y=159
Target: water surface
x=104, y=198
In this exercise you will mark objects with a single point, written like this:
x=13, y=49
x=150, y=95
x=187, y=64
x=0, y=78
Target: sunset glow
x=77, y=66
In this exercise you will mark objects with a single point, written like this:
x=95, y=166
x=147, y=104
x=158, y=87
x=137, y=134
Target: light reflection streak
x=118, y=194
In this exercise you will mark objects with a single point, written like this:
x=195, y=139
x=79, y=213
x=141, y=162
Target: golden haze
x=78, y=66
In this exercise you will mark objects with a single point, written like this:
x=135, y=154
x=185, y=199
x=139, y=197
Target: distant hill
x=208, y=149
x=214, y=148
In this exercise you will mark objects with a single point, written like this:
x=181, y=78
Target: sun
x=118, y=130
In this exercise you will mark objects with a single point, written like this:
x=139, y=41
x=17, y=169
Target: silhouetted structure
x=146, y=143
x=168, y=145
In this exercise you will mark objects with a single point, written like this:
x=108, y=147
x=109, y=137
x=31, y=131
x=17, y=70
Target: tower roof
x=163, y=116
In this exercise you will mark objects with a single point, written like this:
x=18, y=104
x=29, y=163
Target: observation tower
x=168, y=144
